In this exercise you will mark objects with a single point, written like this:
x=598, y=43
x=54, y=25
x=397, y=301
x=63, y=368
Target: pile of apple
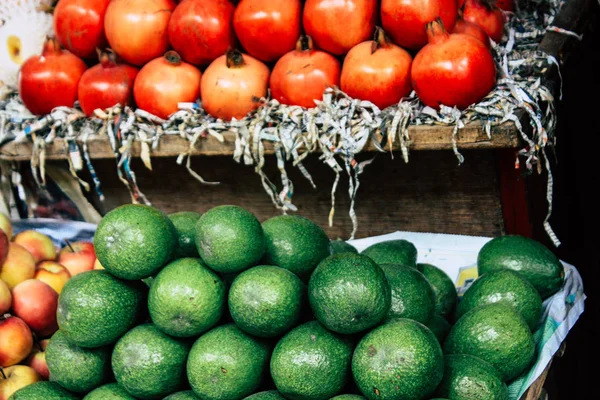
x=32, y=274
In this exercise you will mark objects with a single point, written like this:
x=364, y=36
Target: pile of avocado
x=221, y=307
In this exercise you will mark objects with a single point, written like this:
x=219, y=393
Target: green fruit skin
x=43, y=390
x=398, y=251
x=229, y=239
x=186, y=395
x=340, y=246
x=440, y=327
x=295, y=243
x=75, y=368
x=226, y=364
x=446, y=296
x=470, y=378
x=266, y=395
x=349, y=293
x=186, y=298
x=111, y=391
x=95, y=308
x=496, y=333
x=400, y=360
x=348, y=397
x=311, y=363
x=266, y=301
x=531, y=259
x=134, y=241
x=185, y=225
x=507, y=287
x=412, y=295
x=148, y=364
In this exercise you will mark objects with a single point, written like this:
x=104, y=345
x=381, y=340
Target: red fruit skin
x=137, y=29
x=405, y=20
x=161, y=85
x=79, y=26
x=35, y=303
x=301, y=76
x=454, y=70
x=268, y=29
x=472, y=29
x=202, y=30
x=506, y=5
x=50, y=80
x=105, y=85
x=489, y=17
x=3, y=246
x=381, y=77
x=338, y=25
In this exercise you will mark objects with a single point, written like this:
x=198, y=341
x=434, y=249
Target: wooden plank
x=422, y=138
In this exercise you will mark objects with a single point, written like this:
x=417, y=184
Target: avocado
x=349, y=293
x=294, y=243
x=95, y=308
x=185, y=225
x=339, y=246
x=134, y=241
x=439, y=326
x=400, y=360
x=111, y=391
x=226, y=364
x=529, y=258
x=412, y=295
x=398, y=251
x=443, y=287
x=186, y=298
x=185, y=395
x=470, y=378
x=503, y=286
x=149, y=364
x=496, y=333
x=43, y=390
x=310, y=363
x=229, y=239
x=348, y=397
x=266, y=395
x=77, y=369
x=266, y=301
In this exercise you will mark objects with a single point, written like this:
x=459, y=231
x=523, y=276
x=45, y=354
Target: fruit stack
x=32, y=275
x=221, y=307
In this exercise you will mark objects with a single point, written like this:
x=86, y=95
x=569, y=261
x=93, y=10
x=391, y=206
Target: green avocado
x=470, y=378
x=503, y=286
x=77, y=369
x=111, y=391
x=311, y=363
x=229, y=239
x=266, y=395
x=349, y=293
x=43, y=390
x=439, y=326
x=340, y=246
x=185, y=225
x=348, y=397
x=443, y=287
x=529, y=258
x=398, y=251
x=496, y=333
x=185, y=395
x=400, y=360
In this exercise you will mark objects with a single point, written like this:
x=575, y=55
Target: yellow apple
x=39, y=245
x=53, y=274
x=6, y=225
x=17, y=377
x=18, y=267
x=5, y=298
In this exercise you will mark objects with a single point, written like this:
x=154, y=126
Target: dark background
x=576, y=210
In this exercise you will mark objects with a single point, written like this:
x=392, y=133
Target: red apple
x=19, y=266
x=35, y=303
x=16, y=340
x=5, y=298
x=17, y=377
x=39, y=245
x=6, y=225
x=3, y=246
x=78, y=257
x=53, y=274
x=37, y=359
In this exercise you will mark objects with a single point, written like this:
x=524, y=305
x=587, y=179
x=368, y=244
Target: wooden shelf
x=423, y=137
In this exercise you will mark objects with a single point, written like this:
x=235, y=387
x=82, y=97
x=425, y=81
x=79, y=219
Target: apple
x=78, y=257
x=37, y=359
x=15, y=378
x=53, y=274
x=35, y=303
x=6, y=225
x=3, y=246
x=19, y=266
x=5, y=298
x=38, y=244
x=97, y=264
x=16, y=340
